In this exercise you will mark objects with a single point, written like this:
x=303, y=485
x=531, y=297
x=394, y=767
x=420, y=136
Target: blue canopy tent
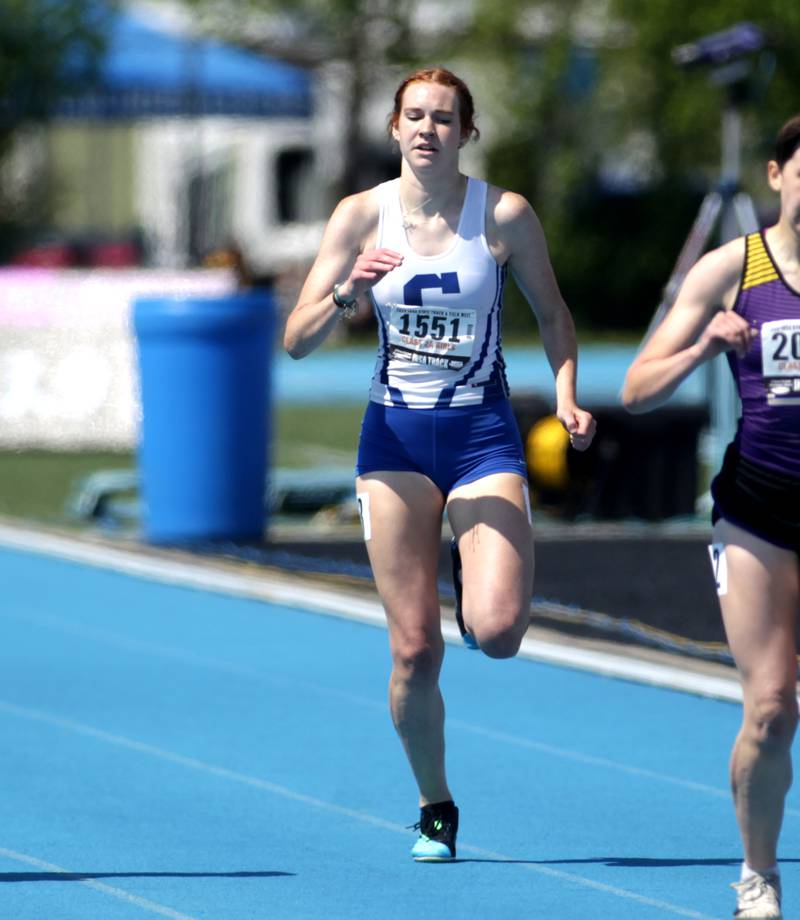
x=150, y=71
x=147, y=71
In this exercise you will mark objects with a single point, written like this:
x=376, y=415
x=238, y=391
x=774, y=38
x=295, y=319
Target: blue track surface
x=179, y=753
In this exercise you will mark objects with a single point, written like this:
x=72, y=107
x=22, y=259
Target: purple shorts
x=757, y=499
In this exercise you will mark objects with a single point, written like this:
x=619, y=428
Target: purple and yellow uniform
x=768, y=377
x=758, y=487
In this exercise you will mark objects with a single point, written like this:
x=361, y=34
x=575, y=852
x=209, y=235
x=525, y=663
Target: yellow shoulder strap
x=758, y=266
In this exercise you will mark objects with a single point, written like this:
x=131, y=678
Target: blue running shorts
x=451, y=446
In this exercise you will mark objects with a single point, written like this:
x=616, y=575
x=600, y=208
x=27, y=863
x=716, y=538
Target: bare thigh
x=760, y=608
x=490, y=519
x=403, y=541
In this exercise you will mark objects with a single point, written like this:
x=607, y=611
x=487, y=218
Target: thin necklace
x=405, y=214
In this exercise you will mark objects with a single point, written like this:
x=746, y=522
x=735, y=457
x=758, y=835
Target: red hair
x=466, y=107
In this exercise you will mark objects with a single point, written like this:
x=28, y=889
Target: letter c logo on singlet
x=440, y=337
x=447, y=283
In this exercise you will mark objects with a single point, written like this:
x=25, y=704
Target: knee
x=773, y=720
x=497, y=622
x=499, y=645
x=501, y=639
x=417, y=658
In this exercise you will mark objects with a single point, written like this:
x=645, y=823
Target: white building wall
x=171, y=151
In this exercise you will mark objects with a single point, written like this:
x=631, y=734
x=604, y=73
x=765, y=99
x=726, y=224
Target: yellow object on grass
x=546, y=453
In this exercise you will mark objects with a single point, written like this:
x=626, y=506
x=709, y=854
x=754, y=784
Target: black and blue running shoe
x=437, y=826
x=466, y=635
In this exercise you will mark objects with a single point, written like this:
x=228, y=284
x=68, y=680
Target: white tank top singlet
x=439, y=316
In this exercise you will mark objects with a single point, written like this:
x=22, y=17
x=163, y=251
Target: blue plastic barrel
x=204, y=366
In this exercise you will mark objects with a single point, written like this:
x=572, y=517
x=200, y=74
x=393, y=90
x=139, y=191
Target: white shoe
x=758, y=898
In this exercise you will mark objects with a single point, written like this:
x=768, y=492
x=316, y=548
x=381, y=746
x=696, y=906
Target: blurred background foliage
x=48, y=50
x=616, y=145
x=612, y=142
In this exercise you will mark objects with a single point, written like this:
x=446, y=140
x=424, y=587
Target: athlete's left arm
x=516, y=238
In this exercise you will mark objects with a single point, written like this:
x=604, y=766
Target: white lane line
x=353, y=607
x=130, y=644
x=191, y=763
x=590, y=883
x=118, y=640
x=590, y=759
x=118, y=893
x=284, y=792
x=172, y=653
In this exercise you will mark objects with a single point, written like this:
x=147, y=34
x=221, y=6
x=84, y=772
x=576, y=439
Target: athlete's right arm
x=344, y=260
x=699, y=326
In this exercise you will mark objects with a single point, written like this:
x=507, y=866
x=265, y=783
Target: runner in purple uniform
x=744, y=299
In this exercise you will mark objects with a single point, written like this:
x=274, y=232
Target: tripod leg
x=745, y=212
x=738, y=219
x=693, y=248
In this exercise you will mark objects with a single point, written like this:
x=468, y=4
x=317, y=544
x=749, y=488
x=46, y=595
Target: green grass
x=38, y=485
x=308, y=436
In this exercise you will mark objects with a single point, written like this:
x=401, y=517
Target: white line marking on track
x=129, y=644
x=590, y=883
x=119, y=640
x=594, y=761
x=283, y=791
x=118, y=893
x=353, y=607
x=590, y=759
x=157, y=650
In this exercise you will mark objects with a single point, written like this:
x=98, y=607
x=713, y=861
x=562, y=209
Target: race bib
x=780, y=356
x=434, y=336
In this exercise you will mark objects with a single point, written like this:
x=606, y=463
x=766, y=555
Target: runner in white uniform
x=431, y=250
x=439, y=317
x=439, y=396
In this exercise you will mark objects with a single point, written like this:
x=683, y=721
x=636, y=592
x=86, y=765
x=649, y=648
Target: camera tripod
x=731, y=212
